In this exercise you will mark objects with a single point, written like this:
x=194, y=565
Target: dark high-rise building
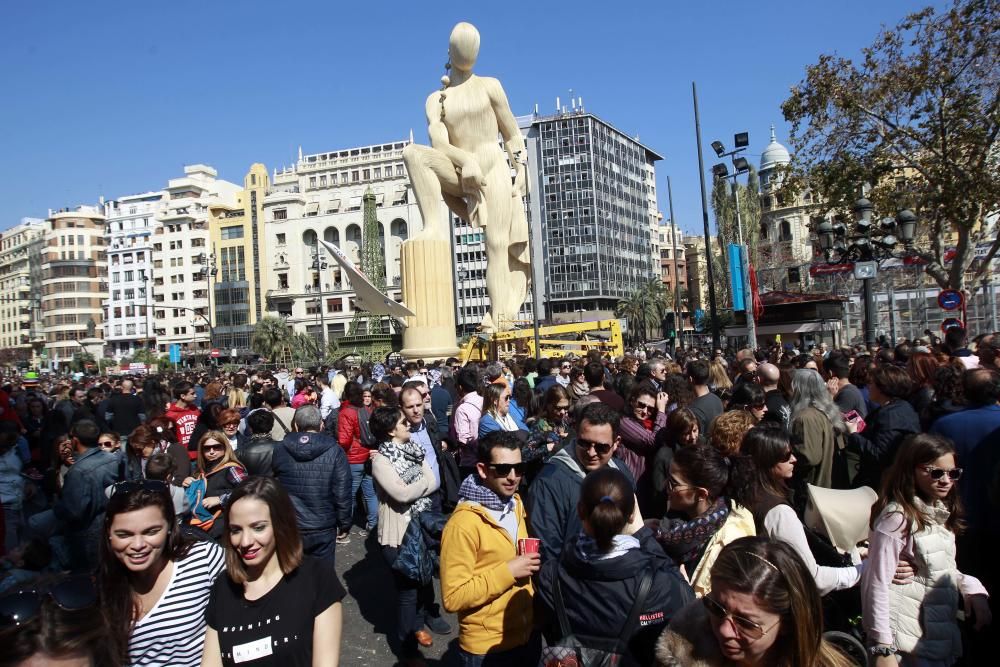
x=593, y=213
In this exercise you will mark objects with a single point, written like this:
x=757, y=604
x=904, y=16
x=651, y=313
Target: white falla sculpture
x=465, y=166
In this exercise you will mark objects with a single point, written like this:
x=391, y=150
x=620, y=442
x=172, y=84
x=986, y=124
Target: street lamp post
x=713, y=312
x=741, y=142
x=463, y=275
x=210, y=271
x=319, y=265
x=865, y=248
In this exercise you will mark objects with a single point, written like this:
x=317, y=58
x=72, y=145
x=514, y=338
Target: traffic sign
x=951, y=323
x=175, y=353
x=950, y=299
x=215, y=353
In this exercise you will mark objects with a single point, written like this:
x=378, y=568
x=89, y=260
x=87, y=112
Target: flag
x=758, y=305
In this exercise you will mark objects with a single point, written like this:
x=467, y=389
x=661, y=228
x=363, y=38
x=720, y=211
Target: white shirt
x=781, y=523
x=328, y=402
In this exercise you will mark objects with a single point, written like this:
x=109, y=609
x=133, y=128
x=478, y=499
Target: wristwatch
x=882, y=650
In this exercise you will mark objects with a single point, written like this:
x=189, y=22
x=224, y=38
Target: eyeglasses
x=602, y=448
x=744, y=626
x=74, y=593
x=228, y=424
x=672, y=484
x=131, y=486
x=786, y=457
x=503, y=469
x=954, y=474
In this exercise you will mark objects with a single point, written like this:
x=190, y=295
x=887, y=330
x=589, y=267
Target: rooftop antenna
x=558, y=105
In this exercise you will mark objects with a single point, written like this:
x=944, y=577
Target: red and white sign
x=215, y=353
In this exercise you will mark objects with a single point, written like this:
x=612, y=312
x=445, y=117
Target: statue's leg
x=431, y=172
x=506, y=283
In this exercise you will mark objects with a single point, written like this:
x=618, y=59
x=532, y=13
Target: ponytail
x=606, y=504
x=730, y=476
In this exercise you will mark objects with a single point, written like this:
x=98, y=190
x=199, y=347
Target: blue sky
x=113, y=98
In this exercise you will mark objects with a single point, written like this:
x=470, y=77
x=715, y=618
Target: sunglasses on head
x=744, y=626
x=602, y=448
x=73, y=593
x=503, y=469
x=132, y=485
x=937, y=473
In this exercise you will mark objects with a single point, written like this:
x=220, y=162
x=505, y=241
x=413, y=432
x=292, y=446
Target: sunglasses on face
x=213, y=448
x=954, y=474
x=74, y=593
x=744, y=626
x=228, y=424
x=786, y=457
x=645, y=406
x=503, y=469
x=107, y=443
x=132, y=486
x=602, y=448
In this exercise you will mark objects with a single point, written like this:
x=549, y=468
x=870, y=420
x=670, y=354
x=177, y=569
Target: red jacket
x=349, y=434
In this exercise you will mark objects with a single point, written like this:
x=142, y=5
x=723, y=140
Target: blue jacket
x=487, y=424
x=313, y=468
x=542, y=385
x=82, y=503
x=552, y=499
x=976, y=436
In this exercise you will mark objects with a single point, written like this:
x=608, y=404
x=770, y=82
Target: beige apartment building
x=20, y=290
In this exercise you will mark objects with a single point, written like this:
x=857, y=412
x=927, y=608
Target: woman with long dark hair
x=549, y=433
x=271, y=589
x=916, y=519
x=645, y=415
x=770, y=449
x=154, y=584
x=763, y=610
x=712, y=494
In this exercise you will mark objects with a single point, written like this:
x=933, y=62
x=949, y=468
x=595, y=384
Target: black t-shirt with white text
x=276, y=629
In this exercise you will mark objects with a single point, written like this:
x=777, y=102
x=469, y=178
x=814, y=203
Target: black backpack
x=583, y=651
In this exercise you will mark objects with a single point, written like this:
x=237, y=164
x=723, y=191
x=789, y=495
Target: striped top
x=172, y=634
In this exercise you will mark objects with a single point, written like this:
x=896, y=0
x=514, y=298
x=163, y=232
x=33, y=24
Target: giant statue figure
x=465, y=166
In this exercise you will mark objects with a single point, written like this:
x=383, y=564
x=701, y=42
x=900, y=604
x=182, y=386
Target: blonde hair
x=228, y=458
x=727, y=430
x=717, y=375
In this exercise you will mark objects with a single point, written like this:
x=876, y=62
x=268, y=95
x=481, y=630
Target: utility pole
x=716, y=341
x=678, y=324
x=745, y=271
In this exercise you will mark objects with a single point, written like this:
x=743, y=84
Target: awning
x=787, y=328
x=355, y=203
x=379, y=199
x=335, y=205
x=312, y=208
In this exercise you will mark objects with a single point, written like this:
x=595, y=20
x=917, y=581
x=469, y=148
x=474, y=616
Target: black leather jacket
x=255, y=454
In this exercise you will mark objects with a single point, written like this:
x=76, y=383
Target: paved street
x=370, y=609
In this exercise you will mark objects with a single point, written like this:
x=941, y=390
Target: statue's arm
x=512, y=140
x=439, y=133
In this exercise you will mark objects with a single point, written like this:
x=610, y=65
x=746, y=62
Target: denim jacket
x=81, y=505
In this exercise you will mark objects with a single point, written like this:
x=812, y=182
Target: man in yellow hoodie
x=483, y=579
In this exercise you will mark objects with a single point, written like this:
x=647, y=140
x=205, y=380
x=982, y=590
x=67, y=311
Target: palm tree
x=305, y=348
x=271, y=337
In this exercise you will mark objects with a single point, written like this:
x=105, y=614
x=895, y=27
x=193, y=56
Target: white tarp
x=367, y=295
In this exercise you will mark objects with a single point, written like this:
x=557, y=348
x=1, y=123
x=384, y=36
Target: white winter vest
x=922, y=612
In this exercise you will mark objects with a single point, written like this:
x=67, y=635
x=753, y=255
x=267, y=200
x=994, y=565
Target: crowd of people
x=711, y=507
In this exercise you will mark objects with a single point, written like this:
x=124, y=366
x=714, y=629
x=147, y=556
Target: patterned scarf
x=684, y=540
x=407, y=459
x=474, y=490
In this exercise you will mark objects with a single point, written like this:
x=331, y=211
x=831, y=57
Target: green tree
x=272, y=338
x=643, y=310
x=917, y=118
x=724, y=206
x=306, y=348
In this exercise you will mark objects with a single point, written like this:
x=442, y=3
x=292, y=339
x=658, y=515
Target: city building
x=73, y=282
x=320, y=197
x=593, y=213
x=784, y=247
x=672, y=260
x=20, y=290
x=697, y=271
x=130, y=223
x=238, y=255
x=182, y=260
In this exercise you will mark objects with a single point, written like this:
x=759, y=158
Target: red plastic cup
x=528, y=545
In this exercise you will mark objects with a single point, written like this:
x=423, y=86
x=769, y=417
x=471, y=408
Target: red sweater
x=349, y=434
x=185, y=419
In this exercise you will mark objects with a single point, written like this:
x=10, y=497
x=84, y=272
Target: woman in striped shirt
x=154, y=584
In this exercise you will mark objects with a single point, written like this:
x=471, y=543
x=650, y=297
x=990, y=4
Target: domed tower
x=785, y=251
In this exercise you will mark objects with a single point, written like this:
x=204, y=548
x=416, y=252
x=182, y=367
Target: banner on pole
x=736, y=280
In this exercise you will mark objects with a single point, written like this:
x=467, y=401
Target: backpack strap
x=637, y=608
x=280, y=423
x=560, y=608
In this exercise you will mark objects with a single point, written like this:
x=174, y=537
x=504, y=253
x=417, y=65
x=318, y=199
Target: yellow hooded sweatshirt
x=494, y=609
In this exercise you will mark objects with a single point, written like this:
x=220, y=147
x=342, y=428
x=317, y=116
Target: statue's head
x=463, y=46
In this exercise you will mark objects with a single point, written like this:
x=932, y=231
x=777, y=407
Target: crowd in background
x=710, y=507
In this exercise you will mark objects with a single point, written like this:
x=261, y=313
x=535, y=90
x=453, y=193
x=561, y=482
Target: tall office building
x=74, y=282
x=130, y=224
x=593, y=213
x=182, y=260
x=20, y=290
x=237, y=244
x=320, y=198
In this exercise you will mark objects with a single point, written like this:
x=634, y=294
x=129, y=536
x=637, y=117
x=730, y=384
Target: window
x=129, y=276
x=197, y=243
x=280, y=214
x=280, y=237
x=282, y=281
x=335, y=305
x=232, y=232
